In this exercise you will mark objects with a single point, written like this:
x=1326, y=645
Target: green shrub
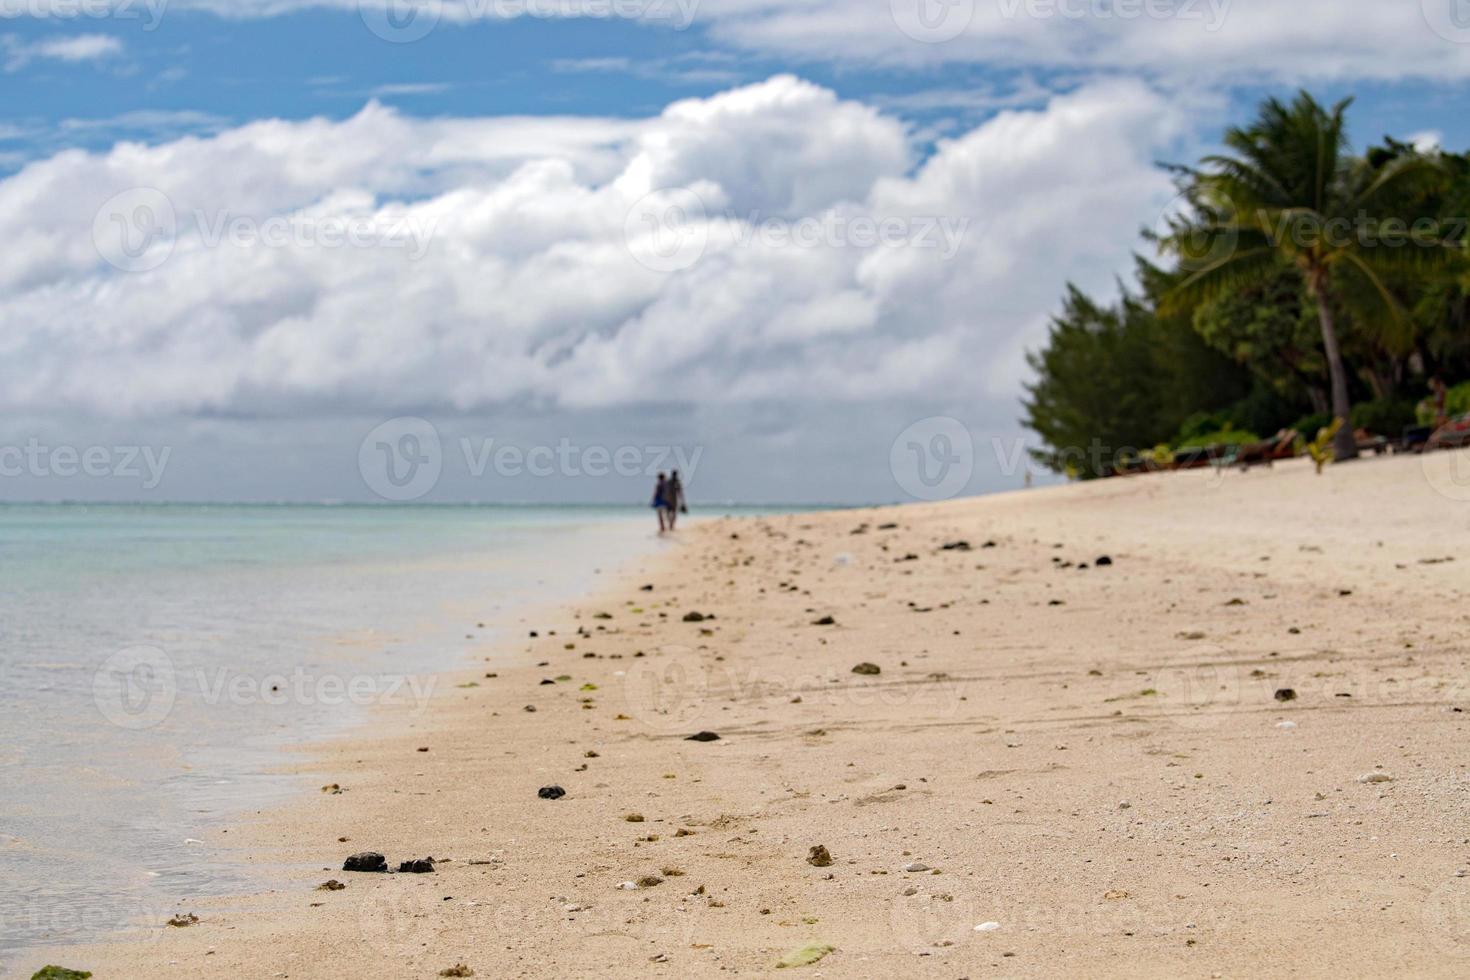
x=1457, y=401
x=1200, y=424
x=1384, y=416
x=1226, y=436
x=1309, y=425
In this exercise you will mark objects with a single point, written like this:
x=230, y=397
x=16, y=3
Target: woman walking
x=661, y=503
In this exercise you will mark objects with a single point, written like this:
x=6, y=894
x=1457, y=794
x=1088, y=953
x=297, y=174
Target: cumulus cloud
x=499, y=260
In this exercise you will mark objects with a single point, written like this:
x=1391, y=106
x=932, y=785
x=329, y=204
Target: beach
x=1196, y=724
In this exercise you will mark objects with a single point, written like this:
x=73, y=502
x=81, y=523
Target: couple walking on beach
x=668, y=501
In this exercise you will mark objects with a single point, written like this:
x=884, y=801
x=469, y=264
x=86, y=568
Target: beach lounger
x=1280, y=446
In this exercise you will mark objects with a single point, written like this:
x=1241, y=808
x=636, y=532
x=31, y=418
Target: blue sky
x=185, y=70
x=517, y=152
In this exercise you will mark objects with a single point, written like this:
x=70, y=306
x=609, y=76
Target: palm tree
x=1288, y=192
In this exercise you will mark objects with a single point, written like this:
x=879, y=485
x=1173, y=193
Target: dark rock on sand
x=1286, y=694
x=825, y=621
x=1103, y=562
x=819, y=857
x=703, y=737
x=183, y=920
x=331, y=885
x=367, y=862
x=418, y=866
x=551, y=792
x=868, y=670
x=694, y=617
x=958, y=546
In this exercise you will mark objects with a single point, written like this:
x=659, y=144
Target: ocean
x=158, y=663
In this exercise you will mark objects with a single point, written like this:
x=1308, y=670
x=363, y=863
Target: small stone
x=867, y=670
x=914, y=867
x=418, y=866
x=551, y=792
x=694, y=617
x=633, y=818
x=331, y=885
x=650, y=881
x=1286, y=726
x=1103, y=562
x=629, y=886
x=457, y=970
x=1116, y=894
x=1375, y=777
x=819, y=857
x=366, y=862
x=703, y=737
x=1286, y=694
x=987, y=927
x=183, y=920
x=1125, y=805
x=825, y=621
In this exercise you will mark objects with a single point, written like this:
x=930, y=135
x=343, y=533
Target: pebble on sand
x=868, y=670
x=418, y=866
x=1375, y=777
x=703, y=737
x=819, y=857
x=366, y=862
x=551, y=792
x=1286, y=694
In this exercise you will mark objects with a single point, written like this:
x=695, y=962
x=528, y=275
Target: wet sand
x=1093, y=758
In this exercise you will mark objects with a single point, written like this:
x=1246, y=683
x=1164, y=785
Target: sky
x=538, y=250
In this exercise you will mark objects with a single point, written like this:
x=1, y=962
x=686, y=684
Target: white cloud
x=76, y=49
x=1245, y=39
x=530, y=293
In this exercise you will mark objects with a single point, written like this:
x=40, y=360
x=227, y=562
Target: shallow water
x=157, y=661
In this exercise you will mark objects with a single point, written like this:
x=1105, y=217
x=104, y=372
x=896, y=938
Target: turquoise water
x=156, y=662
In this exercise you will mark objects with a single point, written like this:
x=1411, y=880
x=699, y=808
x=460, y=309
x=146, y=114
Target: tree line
x=1294, y=284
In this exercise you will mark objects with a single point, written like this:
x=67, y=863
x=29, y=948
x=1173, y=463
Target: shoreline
x=1092, y=759
x=342, y=681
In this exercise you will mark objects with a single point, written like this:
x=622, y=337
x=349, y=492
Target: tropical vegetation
x=1297, y=286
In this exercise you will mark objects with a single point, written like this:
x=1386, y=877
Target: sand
x=1093, y=759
